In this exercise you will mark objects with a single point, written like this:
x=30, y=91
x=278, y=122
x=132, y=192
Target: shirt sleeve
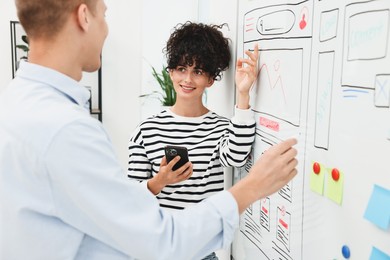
x=92, y=195
x=139, y=165
x=236, y=143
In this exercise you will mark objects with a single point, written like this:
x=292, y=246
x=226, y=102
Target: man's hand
x=274, y=169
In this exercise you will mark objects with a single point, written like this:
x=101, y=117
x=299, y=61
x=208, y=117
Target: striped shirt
x=213, y=142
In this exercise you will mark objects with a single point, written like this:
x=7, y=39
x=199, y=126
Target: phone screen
x=172, y=151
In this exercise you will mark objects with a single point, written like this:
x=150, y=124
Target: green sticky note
x=317, y=180
x=334, y=189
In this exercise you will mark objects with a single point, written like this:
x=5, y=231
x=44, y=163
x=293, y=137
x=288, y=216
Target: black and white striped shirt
x=213, y=142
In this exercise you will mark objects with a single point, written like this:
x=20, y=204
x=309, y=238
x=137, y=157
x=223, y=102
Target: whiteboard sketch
x=324, y=98
x=324, y=78
x=279, y=93
x=366, y=36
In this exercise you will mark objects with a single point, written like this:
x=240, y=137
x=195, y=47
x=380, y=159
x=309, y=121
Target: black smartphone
x=171, y=151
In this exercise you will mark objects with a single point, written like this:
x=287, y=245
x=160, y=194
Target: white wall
x=158, y=20
x=122, y=72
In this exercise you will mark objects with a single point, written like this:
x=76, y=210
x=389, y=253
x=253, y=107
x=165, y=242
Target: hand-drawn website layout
x=324, y=78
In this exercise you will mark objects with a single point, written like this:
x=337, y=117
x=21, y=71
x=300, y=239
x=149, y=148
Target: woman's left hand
x=246, y=76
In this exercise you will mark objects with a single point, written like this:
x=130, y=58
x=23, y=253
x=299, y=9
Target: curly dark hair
x=200, y=44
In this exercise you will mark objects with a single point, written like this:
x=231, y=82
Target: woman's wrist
x=243, y=101
x=154, y=185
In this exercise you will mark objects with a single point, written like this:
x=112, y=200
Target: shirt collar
x=66, y=85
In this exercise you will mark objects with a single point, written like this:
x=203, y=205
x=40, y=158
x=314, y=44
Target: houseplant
x=168, y=95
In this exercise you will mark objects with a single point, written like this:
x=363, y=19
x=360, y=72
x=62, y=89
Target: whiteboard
x=325, y=79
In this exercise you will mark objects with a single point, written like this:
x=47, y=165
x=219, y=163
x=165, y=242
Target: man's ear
x=82, y=16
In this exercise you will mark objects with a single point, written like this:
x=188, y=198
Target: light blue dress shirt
x=63, y=194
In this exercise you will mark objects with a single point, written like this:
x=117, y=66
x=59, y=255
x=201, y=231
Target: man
x=63, y=194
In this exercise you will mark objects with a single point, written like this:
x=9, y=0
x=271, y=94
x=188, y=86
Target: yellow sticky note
x=334, y=189
x=317, y=179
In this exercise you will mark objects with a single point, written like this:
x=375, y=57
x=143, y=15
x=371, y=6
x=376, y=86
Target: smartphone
x=171, y=151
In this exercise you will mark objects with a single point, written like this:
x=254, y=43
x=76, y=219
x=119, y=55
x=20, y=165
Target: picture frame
x=19, y=45
x=92, y=81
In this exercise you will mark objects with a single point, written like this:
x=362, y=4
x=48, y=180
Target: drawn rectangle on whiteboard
x=324, y=99
x=366, y=40
x=382, y=90
x=367, y=35
x=265, y=211
x=279, y=86
x=283, y=227
x=328, y=26
x=278, y=21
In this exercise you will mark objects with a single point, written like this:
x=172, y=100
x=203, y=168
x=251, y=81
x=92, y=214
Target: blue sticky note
x=376, y=254
x=378, y=208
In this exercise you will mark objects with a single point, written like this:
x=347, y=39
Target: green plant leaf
x=22, y=47
x=25, y=39
x=168, y=94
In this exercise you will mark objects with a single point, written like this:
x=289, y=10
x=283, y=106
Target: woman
x=197, y=54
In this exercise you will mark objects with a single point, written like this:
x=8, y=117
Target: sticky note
x=378, y=208
x=376, y=254
x=334, y=189
x=317, y=179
